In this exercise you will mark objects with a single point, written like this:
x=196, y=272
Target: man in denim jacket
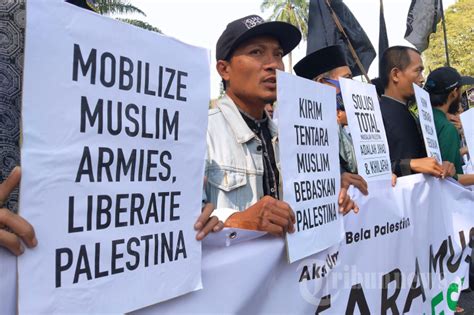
x=242, y=170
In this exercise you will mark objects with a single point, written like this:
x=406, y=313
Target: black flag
x=422, y=18
x=383, y=38
x=323, y=32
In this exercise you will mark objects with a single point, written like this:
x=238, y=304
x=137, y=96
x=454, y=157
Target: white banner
x=8, y=284
x=112, y=163
x=309, y=157
x=467, y=121
x=425, y=113
x=408, y=253
x=405, y=252
x=368, y=132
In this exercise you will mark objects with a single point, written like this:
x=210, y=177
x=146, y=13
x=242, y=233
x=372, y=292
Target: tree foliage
x=460, y=35
x=124, y=7
x=110, y=7
x=141, y=24
x=291, y=11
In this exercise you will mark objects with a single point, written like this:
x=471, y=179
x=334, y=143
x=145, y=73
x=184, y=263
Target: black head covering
x=321, y=61
x=251, y=26
x=445, y=79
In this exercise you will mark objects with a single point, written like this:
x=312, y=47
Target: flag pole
x=383, y=37
x=444, y=32
x=346, y=38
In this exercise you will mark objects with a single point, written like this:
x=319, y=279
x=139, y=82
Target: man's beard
x=454, y=106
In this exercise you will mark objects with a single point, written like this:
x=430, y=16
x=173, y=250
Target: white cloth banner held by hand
x=425, y=113
x=309, y=156
x=407, y=251
x=367, y=129
x=114, y=127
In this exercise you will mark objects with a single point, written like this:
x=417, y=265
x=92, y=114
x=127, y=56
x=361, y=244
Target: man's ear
x=339, y=116
x=394, y=75
x=223, y=68
x=319, y=80
x=453, y=94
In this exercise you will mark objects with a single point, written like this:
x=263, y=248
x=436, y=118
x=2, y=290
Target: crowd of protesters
x=242, y=179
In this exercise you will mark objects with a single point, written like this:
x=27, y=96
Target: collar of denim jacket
x=238, y=125
x=240, y=128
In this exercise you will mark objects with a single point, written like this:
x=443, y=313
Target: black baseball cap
x=445, y=79
x=252, y=26
x=321, y=61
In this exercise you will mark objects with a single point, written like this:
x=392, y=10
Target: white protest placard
x=467, y=121
x=114, y=123
x=309, y=156
x=367, y=129
x=425, y=113
x=8, y=285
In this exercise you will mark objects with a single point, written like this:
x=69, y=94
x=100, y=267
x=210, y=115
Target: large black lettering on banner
x=115, y=164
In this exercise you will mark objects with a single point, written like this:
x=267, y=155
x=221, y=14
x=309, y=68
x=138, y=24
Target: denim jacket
x=234, y=165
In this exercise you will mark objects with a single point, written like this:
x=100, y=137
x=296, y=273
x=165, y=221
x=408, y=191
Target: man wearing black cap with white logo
x=242, y=176
x=326, y=66
x=444, y=85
